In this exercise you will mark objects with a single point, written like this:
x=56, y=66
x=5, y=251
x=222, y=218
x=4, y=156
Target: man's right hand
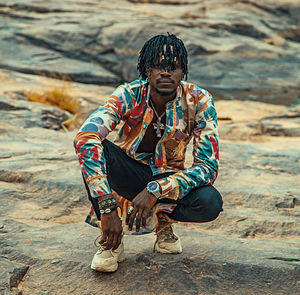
x=112, y=230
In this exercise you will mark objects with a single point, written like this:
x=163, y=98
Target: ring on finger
x=130, y=210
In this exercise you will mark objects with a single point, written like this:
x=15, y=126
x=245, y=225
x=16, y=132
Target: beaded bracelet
x=107, y=203
x=108, y=210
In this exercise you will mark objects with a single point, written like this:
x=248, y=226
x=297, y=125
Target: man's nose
x=165, y=72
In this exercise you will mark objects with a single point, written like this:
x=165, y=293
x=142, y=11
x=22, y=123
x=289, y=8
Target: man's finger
x=131, y=219
x=114, y=243
x=120, y=239
x=104, y=237
x=108, y=244
x=129, y=211
x=117, y=241
x=138, y=220
x=144, y=218
x=128, y=217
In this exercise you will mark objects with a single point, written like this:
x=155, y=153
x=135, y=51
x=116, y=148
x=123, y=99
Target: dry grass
x=59, y=96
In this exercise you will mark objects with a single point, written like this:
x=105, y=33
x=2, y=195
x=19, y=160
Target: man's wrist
x=108, y=210
x=103, y=197
x=107, y=204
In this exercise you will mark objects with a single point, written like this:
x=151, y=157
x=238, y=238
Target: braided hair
x=149, y=55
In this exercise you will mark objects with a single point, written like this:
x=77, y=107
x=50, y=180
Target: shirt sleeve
x=88, y=141
x=205, y=154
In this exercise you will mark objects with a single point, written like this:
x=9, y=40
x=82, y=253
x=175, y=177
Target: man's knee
x=208, y=203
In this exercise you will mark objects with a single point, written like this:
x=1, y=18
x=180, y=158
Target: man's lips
x=165, y=81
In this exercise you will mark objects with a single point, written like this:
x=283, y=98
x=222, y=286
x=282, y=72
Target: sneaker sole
x=165, y=251
x=177, y=249
x=110, y=268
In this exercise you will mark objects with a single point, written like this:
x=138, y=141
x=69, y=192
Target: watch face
x=153, y=186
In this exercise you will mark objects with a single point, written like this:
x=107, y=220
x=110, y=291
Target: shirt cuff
x=99, y=186
x=169, y=187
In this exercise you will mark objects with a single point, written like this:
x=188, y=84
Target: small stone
x=5, y=156
x=186, y=270
x=55, y=261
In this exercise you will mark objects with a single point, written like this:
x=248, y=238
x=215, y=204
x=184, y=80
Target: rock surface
x=252, y=248
x=246, y=50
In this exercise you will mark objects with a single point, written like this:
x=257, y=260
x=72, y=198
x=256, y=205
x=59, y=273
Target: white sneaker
x=107, y=260
x=166, y=241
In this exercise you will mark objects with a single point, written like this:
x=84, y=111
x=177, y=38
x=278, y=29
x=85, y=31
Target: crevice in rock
x=18, y=177
x=291, y=34
x=42, y=43
x=285, y=259
x=287, y=204
x=166, y=2
x=17, y=16
x=241, y=29
x=17, y=275
x=200, y=50
x=75, y=77
x=33, y=8
x=83, y=56
x=281, y=117
x=7, y=107
x=277, y=10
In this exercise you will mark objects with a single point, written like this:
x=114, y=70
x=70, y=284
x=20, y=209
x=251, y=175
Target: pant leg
x=125, y=175
x=202, y=204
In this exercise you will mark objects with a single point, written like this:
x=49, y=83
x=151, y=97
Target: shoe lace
x=96, y=242
x=165, y=231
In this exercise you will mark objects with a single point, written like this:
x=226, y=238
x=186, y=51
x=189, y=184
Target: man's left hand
x=142, y=204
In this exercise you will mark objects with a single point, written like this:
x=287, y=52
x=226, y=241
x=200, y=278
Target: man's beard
x=163, y=93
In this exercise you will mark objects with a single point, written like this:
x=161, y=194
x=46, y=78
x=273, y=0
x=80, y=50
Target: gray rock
x=281, y=127
x=237, y=49
x=45, y=116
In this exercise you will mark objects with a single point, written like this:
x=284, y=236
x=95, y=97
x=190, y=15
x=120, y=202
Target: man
x=159, y=114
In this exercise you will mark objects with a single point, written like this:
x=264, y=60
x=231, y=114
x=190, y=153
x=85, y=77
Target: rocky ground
x=252, y=248
x=246, y=50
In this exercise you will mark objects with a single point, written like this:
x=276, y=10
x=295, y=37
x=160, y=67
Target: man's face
x=165, y=81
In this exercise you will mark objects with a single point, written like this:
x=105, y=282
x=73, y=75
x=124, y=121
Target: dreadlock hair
x=149, y=55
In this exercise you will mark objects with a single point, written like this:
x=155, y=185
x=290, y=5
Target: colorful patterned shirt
x=190, y=115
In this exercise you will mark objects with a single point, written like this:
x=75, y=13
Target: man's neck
x=159, y=101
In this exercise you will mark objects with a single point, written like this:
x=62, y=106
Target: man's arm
x=88, y=141
x=89, y=149
x=206, y=154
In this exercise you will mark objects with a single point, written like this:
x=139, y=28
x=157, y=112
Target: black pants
x=128, y=177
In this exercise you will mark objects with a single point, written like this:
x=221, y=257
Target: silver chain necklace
x=158, y=126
